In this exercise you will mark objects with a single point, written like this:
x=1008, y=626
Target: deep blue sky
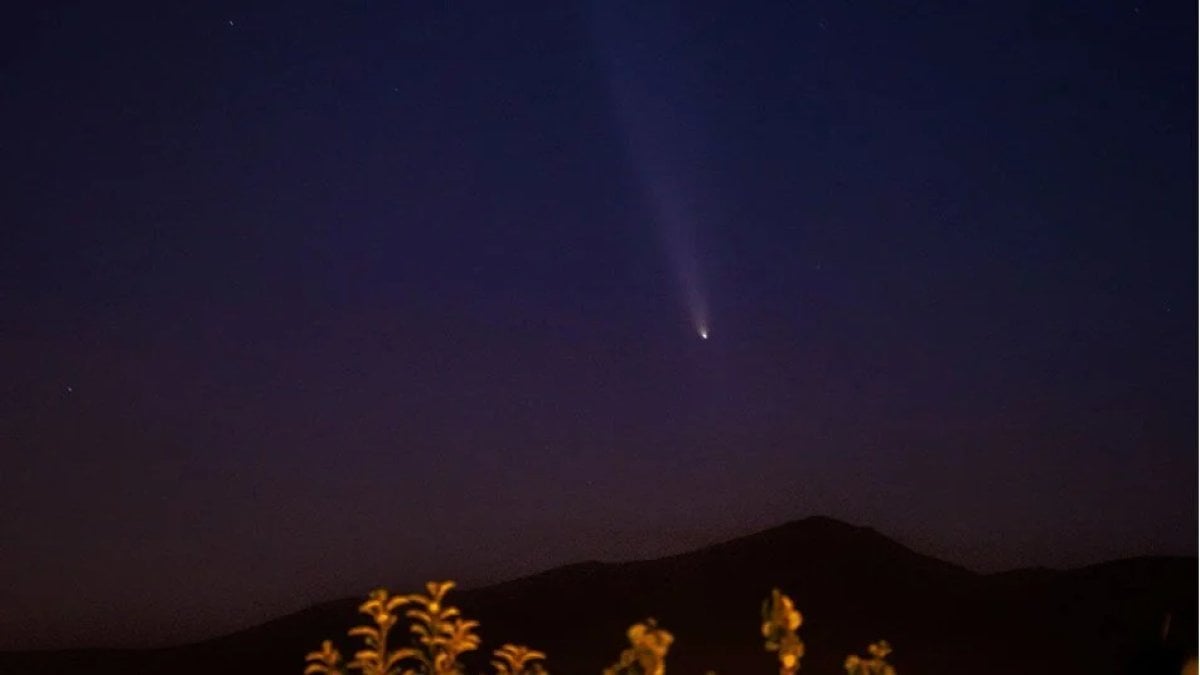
x=307, y=297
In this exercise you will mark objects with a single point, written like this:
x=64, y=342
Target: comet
x=651, y=83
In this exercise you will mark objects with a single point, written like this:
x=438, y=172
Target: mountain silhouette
x=852, y=584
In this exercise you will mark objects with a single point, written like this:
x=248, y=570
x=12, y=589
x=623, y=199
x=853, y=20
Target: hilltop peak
x=814, y=530
x=820, y=521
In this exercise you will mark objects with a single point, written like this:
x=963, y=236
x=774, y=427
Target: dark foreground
x=852, y=584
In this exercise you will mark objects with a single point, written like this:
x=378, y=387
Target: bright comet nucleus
x=703, y=333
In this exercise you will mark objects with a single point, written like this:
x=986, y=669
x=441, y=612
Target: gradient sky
x=308, y=297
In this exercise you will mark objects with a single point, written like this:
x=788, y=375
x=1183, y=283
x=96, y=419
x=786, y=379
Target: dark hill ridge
x=853, y=585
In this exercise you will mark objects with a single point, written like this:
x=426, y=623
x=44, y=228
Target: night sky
x=302, y=299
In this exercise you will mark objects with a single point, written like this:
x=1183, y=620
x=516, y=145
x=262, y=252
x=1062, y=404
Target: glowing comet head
x=703, y=333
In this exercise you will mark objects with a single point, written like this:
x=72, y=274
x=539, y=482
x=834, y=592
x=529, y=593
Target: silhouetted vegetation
x=440, y=634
